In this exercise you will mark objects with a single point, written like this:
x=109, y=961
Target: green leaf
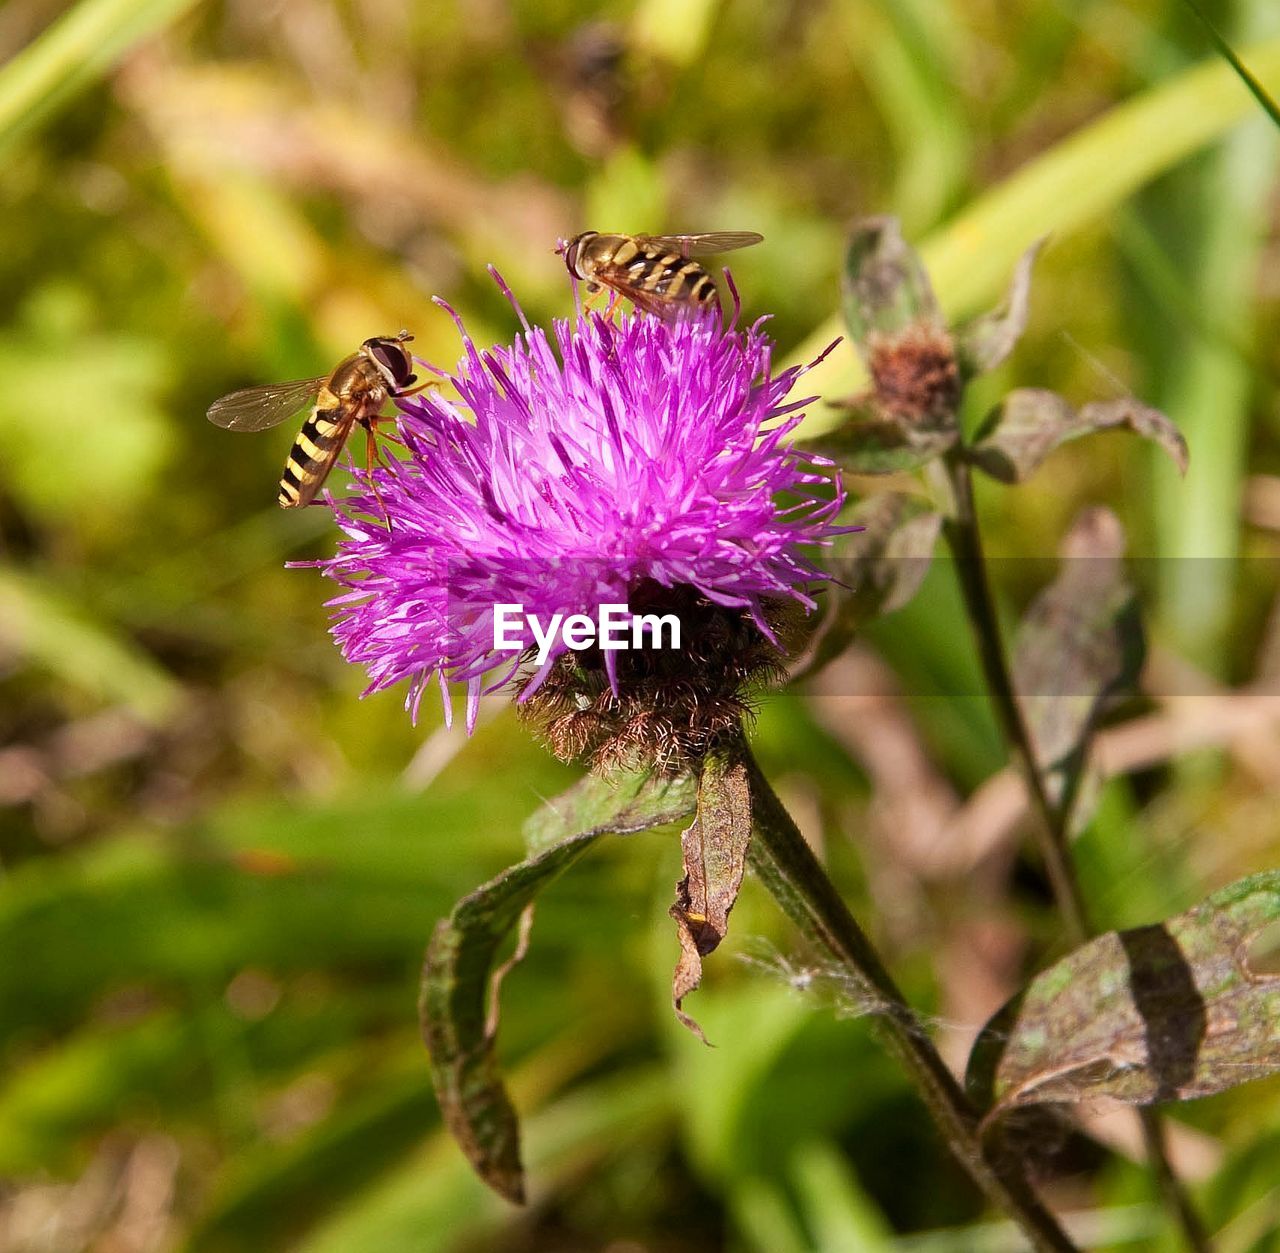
x=763, y=1220
x=984, y=343
x=431, y=1204
x=618, y=805
x=879, y=569
x=1164, y=1012
x=1031, y=422
x=72, y=54
x=714, y=850
x=877, y=442
x=908, y=53
x=272, y=1190
x=885, y=287
x=121, y=378
x=458, y=1002
x=1205, y=381
x=1080, y=646
x=840, y=1213
x=50, y=1100
x=59, y=637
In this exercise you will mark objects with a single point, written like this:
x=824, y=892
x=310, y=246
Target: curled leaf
x=617, y=805
x=458, y=999
x=1080, y=647
x=714, y=850
x=878, y=569
x=986, y=341
x=1031, y=422
x=1165, y=1012
x=885, y=287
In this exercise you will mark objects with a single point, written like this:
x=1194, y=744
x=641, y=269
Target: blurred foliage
x=219, y=867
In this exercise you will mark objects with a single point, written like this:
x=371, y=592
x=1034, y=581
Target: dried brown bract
x=914, y=372
x=672, y=706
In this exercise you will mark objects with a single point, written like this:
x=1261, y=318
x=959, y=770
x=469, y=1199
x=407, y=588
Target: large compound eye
x=393, y=359
x=571, y=255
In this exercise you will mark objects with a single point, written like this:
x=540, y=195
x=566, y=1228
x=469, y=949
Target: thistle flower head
x=604, y=462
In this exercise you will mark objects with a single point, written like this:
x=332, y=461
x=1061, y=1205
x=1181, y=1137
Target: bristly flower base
x=671, y=708
x=914, y=372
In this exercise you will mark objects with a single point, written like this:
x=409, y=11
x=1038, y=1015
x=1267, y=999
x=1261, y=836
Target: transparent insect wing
x=257, y=408
x=708, y=244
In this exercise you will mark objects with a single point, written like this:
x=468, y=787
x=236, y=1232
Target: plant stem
x=1171, y=1189
x=965, y=541
x=1054, y=820
x=788, y=869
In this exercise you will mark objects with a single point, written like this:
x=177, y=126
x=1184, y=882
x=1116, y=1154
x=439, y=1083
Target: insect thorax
x=358, y=382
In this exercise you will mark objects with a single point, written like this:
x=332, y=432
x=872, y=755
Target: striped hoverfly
x=656, y=273
x=352, y=395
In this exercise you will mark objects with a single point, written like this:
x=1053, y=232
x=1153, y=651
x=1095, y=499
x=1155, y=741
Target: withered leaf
x=878, y=570
x=714, y=849
x=1031, y=422
x=1080, y=647
x=875, y=442
x=884, y=284
x=986, y=341
x=1159, y=1013
x=457, y=1002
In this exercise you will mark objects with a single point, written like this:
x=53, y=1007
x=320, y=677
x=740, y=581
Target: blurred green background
x=218, y=866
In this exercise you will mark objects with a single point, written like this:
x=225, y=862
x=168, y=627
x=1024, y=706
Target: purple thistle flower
x=642, y=453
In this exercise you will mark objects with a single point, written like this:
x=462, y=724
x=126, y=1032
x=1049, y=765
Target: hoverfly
x=654, y=272
x=352, y=395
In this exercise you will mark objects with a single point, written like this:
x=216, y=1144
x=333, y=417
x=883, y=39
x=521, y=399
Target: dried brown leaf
x=458, y=998
x=1165, y=1012
x=986, y=341
x=714, y=849
x=879, y=569
x=1031, y=422
x=885, y=287
x=1079, y=648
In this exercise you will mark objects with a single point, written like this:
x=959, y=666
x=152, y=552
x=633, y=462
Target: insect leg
x=373, y=455
x=378, y=424
x=422, y=387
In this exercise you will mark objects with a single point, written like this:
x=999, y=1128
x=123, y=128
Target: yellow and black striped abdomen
x=314, y=452
x=653, y=276
x=672, y=277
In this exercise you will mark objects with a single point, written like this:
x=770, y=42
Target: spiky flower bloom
x=640, y=462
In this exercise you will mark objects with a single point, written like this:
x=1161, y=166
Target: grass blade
x=76, y=51
x=1228, y=54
